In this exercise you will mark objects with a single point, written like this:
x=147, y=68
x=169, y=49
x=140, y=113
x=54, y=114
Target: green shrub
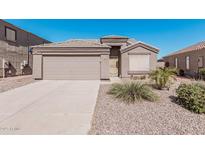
x=132, y=91
x=192, y=97
x=201, y=84
x=162, y=77
x=180, y=72
x=202, y=73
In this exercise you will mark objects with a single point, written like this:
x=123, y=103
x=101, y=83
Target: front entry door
x=113, y=64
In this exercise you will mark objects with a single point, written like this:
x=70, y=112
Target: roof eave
x=140, y=44
x=174, y=54
x=114, y=37
x=70, y=49
x=46, y=47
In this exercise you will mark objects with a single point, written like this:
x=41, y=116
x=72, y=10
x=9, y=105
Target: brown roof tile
x=195, y=47
x=75, y=43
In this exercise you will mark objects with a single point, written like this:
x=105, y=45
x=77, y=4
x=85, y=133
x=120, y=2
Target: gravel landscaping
x=164, y=117
x=15, y=82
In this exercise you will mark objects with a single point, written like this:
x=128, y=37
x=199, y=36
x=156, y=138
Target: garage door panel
x=68, y=68
x=72, y=58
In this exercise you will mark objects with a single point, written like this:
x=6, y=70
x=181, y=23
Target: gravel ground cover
x=14, y=82
x=164, y=117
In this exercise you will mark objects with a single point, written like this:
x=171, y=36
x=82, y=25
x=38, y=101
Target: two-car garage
x=72, y=60
x=71, y=67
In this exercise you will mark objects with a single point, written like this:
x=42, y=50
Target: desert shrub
x=180, y=72
x=192, y=97
x=132, y=91
x=162, y=77
x=201, y=84
x=202, y=73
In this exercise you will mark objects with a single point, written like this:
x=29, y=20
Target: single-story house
x=110, y=56
x=189, y=60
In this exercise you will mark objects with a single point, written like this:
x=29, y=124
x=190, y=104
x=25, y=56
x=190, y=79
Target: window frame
x=187, y=62
x=202, y=61
x=148, y=56
x=176, y=61
x=6, y=27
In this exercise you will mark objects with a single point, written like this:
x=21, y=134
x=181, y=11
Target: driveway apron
x=49, y=107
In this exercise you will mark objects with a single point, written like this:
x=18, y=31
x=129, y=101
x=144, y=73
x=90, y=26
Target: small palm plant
x=162, y=77
x=132, y=91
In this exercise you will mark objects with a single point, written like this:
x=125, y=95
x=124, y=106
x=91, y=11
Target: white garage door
x=71, y=67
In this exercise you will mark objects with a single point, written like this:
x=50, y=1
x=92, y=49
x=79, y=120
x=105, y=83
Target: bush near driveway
x=132, y=91
x=192, y=97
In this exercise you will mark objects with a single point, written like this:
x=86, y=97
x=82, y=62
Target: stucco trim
x=140, y=44
x=72, y=53
x=137, y=72
x=60, y=50
x=131, y=53
x=66, y=47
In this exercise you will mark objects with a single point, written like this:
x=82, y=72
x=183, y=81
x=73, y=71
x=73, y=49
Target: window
x=176, y=62
x=200, y=61
x=10, y=34
x=139, y=63
x=187, y=62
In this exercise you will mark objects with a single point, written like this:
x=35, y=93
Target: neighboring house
x=110, y=56
x=160, y=63
x=189, y=59
x=15, y=58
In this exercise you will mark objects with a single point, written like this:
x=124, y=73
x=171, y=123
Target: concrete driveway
x=48, y=107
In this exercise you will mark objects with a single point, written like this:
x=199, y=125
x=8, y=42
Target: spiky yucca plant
x=162, y=77
x=132, y=91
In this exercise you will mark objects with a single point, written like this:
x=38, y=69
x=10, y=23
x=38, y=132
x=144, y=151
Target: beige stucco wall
x=138, y=50
x=37, y=66
x=104, y=66
x=182, y=63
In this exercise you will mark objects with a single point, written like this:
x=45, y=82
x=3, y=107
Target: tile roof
x=75, y=43
x=131, y=41
x=195, y=47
